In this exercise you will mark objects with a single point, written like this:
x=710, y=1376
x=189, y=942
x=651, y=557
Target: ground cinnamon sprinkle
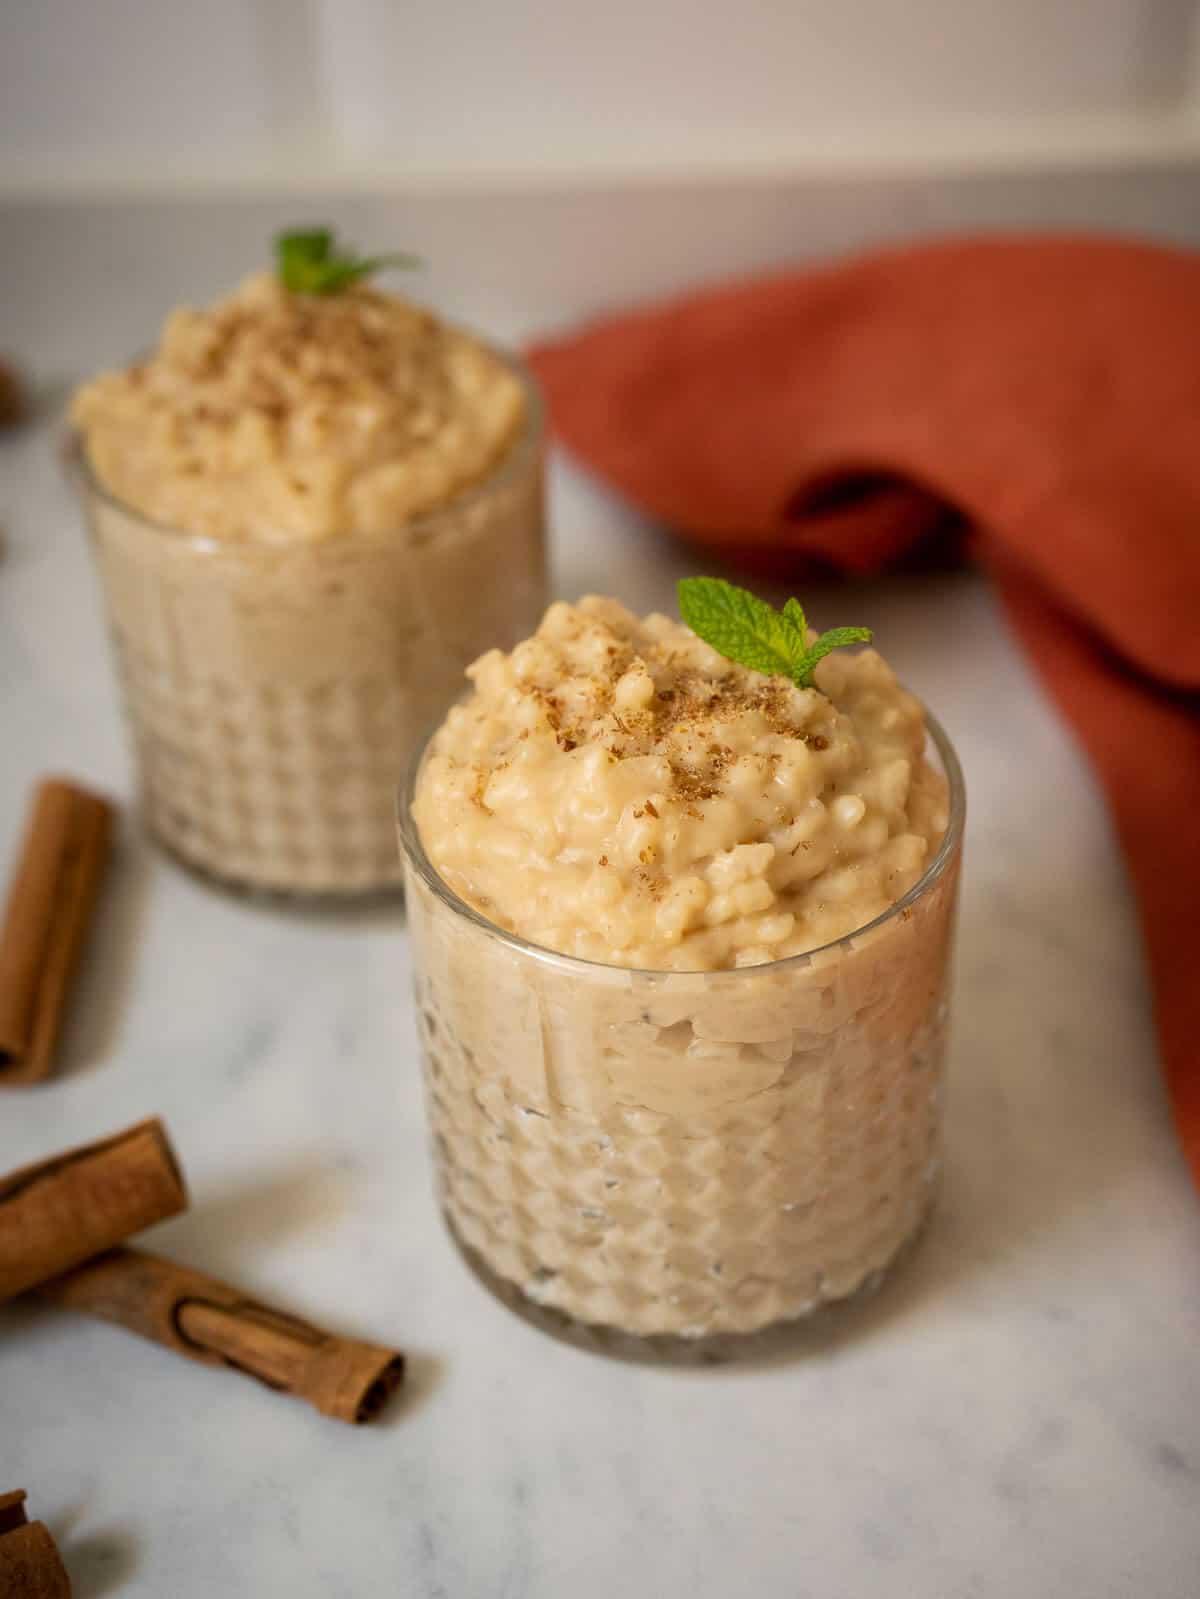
x=595, y=709
x=297, y=412
x=690, y=786
x=669, y=808
x=652, y=883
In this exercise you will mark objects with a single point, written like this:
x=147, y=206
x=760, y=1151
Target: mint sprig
x=747, y=630
x=309, y=261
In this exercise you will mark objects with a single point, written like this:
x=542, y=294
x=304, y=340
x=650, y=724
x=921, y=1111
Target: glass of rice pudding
x=682, y=936
x=310, y=512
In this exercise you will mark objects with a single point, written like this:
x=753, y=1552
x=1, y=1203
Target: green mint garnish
x=746, y=629
x=310, y=262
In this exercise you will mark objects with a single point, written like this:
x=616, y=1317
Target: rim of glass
x=526, y=444
x=418, y=860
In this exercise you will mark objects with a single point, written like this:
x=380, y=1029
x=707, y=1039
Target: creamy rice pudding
x=682, y=935
x=310, y=512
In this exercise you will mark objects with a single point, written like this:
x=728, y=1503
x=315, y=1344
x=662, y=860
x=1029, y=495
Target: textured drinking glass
x=686, y=1153
x=275, y=692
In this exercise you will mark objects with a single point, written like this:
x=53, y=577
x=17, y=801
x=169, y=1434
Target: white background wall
x=552, y=159
x=266, y=91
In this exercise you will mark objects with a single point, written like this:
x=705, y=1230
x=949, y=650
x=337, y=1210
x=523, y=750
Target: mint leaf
x=308, y=262
x=341, y=274
x=306, y=244
x=747, y=630
x=833, y=640
x=300, y=256
x=740, y=626
x=793, y=614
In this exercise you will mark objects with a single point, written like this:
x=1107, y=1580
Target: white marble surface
x=1014, y=1415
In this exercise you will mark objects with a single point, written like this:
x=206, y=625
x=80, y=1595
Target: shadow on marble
x=240, y=1220
x=98, y=1562
x=423, y=1376
x=21, y=1318
x=108, y=969
x=50, y=397
x=101, y=1562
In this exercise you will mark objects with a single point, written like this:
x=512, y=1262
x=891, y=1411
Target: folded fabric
x=1042, y=393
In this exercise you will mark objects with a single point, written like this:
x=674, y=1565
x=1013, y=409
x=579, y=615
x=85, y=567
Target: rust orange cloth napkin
x=1041, y=392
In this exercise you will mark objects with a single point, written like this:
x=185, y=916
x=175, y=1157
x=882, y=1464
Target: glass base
x=798, y=1334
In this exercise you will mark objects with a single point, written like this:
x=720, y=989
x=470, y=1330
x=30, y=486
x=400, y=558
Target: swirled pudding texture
x=290, y=417
x=615, y=789
x=682, y=1133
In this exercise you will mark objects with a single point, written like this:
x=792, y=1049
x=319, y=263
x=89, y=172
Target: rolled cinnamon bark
x=49, y=910
x=68, y=1208
x=210, y=1322
x=30, y=1564
x=14, y=405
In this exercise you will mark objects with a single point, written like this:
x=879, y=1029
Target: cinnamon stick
x=64, y=1210
x=14, y=405
x=208, y=1321
x=49, y=910
x=30, y=1564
